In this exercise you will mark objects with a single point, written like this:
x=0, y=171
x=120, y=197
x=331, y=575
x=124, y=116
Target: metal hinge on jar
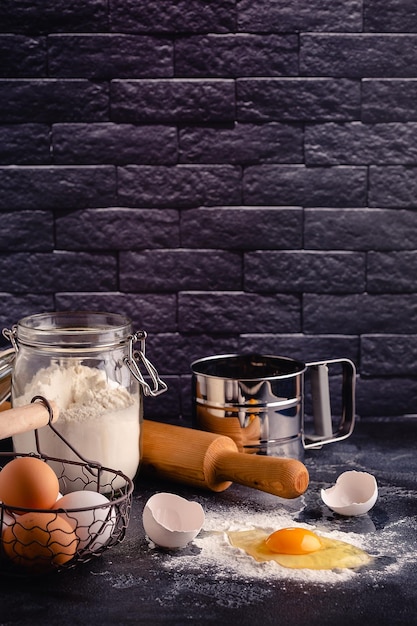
x=135, y=358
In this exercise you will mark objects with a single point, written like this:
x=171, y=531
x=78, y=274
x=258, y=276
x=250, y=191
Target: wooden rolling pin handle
x=287, y=478
x=24, y=418
x=213, y=462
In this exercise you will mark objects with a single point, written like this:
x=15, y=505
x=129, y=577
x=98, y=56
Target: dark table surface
x=137, y=583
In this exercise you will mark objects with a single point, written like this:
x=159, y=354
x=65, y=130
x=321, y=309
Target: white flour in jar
x=98, y=417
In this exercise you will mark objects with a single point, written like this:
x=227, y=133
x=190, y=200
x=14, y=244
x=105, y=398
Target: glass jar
x=86, y=363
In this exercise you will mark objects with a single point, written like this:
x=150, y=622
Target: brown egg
x=28, y=482
x=39, y=541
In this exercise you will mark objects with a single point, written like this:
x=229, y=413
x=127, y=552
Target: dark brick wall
x=233, y=175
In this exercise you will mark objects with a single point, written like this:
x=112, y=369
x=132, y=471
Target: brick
x=114, y=143
x=102, y=57
x=53, y=15
x=25, y=144
x=226, y=312
x=306, y=348
x=297, y=99
x=45, y=273
x=236, y=55
x=292, y=272
x=149, y=312
x=359, y=229
x=242, y=143
x=217, y=146
x=174, y=270
x=177, y=16
x=177, y=394
x=357, y=314
x=320, y=15
x=180, y=187
x=356, y=143
x=56, y=187
x=391, y=16
x=186, y=401
x=358, y=55
x=298, y=185
x=386, y=100
x=22, y=56
x=392, y=272
x=385, y=397
x=173, y=353
x=167, y=407
x=30, y=231
x=193, y=100
x=117, y=229
x=393, y=186
x=51, y=100
x=16, y=306
x=242, y=228
x=389, y=355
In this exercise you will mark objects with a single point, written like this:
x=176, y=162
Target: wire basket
x=50, y=547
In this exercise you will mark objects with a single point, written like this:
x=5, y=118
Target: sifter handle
x=321, y=403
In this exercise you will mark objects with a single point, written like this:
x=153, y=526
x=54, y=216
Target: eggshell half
x=171, y=521
x=354, y=493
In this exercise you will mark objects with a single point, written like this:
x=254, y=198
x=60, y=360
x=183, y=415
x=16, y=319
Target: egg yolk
x=293, y=541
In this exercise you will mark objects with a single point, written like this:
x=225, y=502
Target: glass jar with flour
x=89, y=364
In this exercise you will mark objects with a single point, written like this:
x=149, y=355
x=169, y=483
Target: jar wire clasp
x=135, y=357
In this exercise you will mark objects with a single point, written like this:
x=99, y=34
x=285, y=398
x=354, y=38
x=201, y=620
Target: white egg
x=93, y=526
x=171, y=521
x=354, y=493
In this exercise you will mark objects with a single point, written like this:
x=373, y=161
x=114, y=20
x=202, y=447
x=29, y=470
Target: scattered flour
x=215, y=553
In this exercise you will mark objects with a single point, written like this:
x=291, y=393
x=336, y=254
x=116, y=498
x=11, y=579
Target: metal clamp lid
x=133, y=360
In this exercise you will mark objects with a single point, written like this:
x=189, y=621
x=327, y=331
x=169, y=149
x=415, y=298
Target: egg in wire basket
x=84, y=520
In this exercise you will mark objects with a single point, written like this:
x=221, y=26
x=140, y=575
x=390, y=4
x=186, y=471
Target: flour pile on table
x=213, y=552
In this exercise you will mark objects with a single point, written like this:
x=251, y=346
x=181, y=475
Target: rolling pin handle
x=37, y=414
x=286, y=478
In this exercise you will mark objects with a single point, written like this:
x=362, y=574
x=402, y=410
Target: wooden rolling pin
x=211, y=461
x=24, y=418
